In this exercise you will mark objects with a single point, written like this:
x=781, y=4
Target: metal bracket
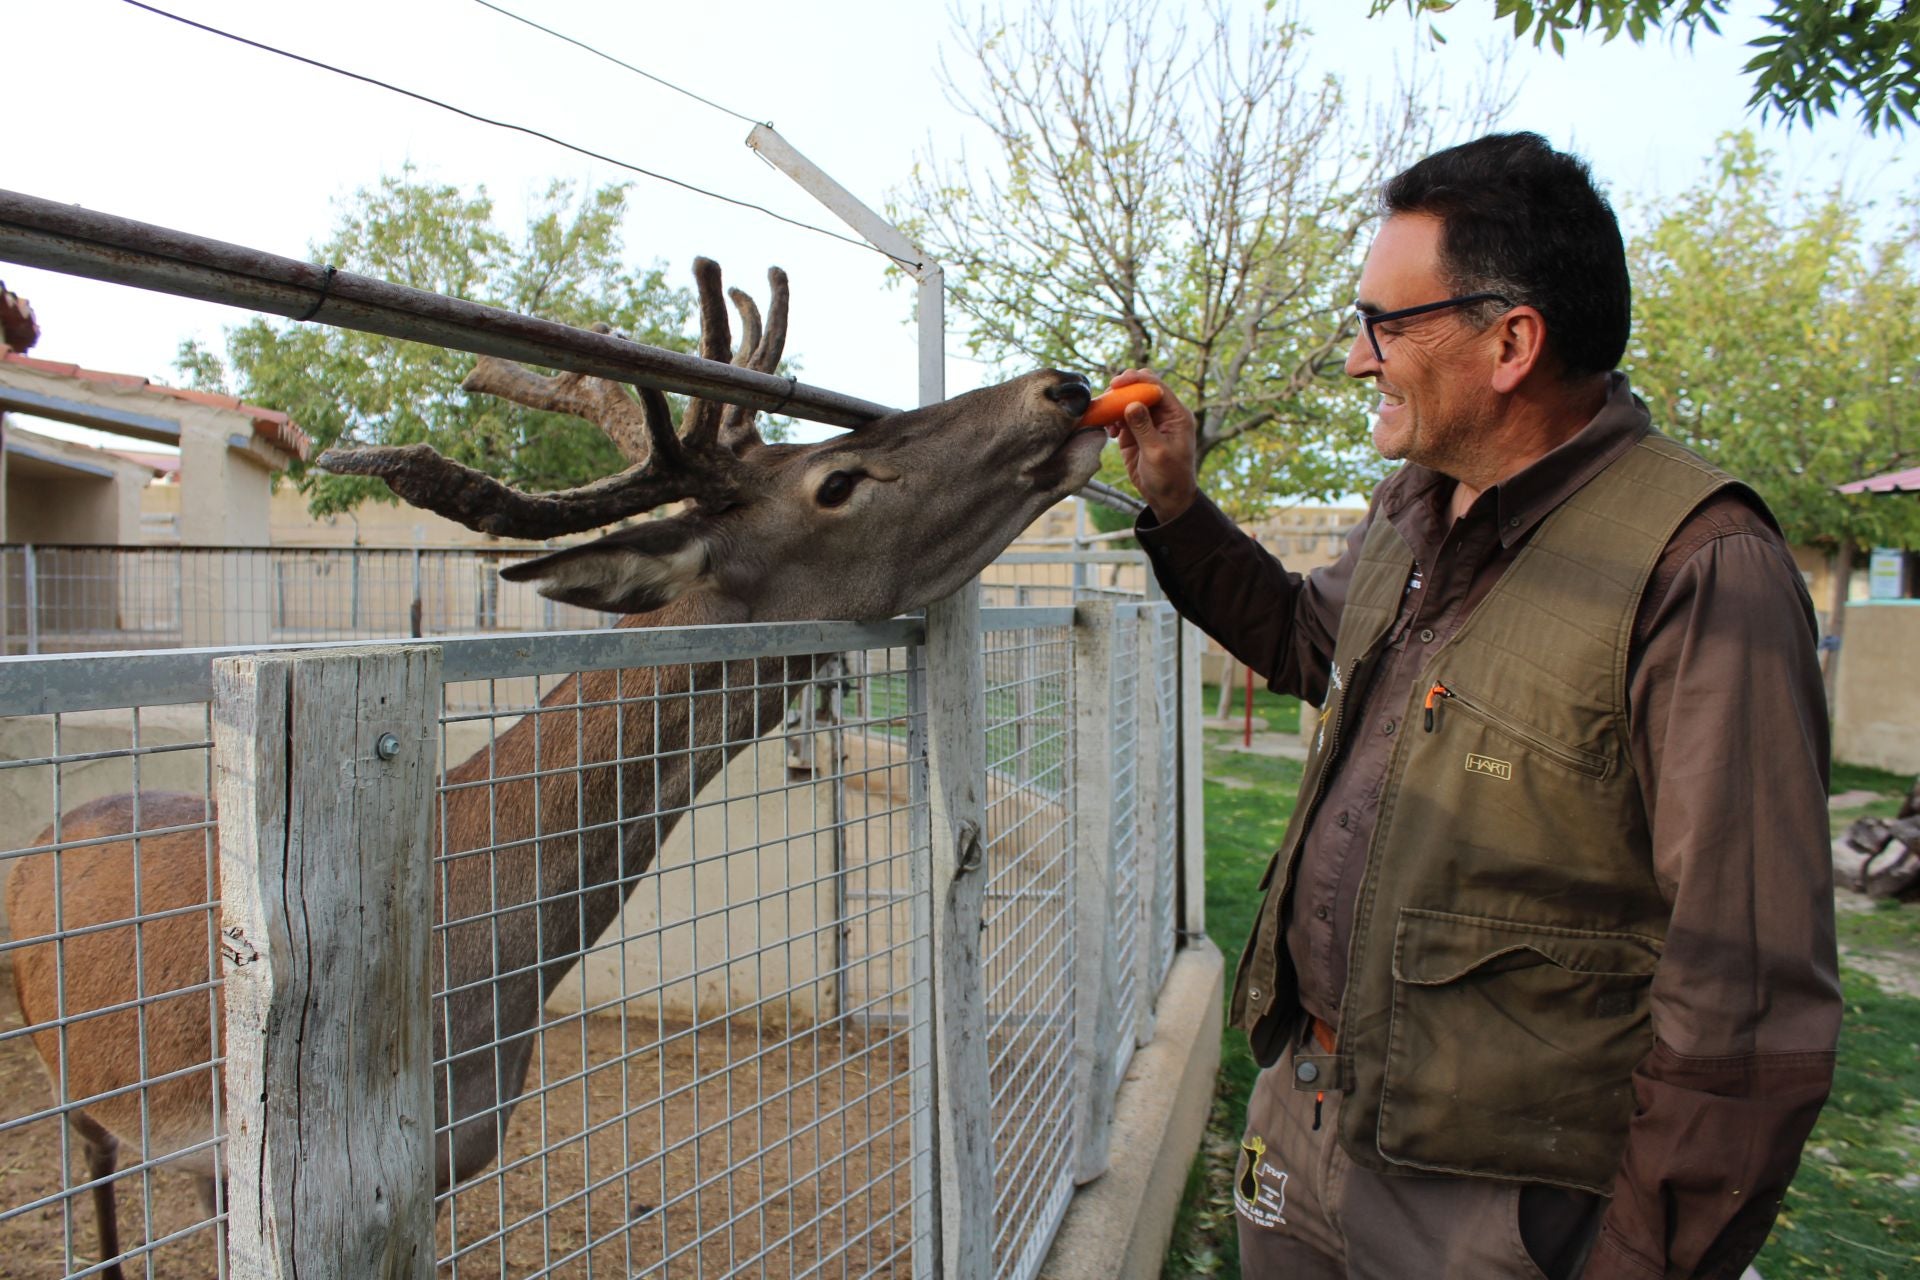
x=235, y=949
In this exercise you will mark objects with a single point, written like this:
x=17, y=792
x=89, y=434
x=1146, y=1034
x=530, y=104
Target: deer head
x=880, y=520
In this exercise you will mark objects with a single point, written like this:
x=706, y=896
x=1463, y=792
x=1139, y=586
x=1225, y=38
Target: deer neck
x=549, y=828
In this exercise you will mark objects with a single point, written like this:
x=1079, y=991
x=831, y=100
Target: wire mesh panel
x=1163, y=842
x=110, y=1098
x=1125, y=701
x=1028, y=948
x=70, y=599
x=676, y=1008
x=1024, y=577
x=80, y=599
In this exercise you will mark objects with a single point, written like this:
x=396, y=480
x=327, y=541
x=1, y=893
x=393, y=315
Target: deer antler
x=700, y=463
x=758, y=351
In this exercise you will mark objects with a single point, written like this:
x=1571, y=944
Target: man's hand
x=1159, y=446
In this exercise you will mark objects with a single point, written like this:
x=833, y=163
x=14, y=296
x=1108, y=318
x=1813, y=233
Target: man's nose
x=1361, y=361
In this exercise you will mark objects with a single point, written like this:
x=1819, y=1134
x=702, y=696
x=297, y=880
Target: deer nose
x=1071, y=393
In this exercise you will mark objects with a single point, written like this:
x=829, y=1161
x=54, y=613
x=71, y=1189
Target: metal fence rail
x=670, y=934
x=79, y=599
x=88, y=599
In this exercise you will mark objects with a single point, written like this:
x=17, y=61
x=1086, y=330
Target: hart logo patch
x=1260, y=1192
x=1490, y=767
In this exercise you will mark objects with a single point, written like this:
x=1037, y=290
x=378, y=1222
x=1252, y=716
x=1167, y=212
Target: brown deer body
x=866, y=525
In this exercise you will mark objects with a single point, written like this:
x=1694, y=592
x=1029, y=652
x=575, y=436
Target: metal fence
x=645, y=920
x=82, y=599
x=88, y=599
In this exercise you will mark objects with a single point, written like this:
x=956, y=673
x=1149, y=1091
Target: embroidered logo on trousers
x=1260, y=1192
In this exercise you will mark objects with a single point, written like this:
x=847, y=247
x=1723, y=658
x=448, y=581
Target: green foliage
x=1815, y=55
x=1777, y=339
x=1107, y=519
x=341, y=384
x=1190, y=200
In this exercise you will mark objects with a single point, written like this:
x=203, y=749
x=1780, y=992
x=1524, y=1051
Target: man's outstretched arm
x=1281, y=624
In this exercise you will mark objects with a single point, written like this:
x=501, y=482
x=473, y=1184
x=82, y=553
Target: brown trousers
x=1307, y=1212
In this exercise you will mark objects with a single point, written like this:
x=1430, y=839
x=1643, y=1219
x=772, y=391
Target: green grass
x=1244, y=827
x=1890, y=789
x=1889, y=929
x=1864, y=777
x=1846, y=1218
x=1847, y=1215
x=1282, y=714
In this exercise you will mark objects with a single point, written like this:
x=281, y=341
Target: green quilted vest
x=1508, y=922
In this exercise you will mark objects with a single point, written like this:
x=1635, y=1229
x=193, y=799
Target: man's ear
x=634, y=571
x=1523, y=348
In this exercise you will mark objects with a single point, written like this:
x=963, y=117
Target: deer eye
x=835, y=489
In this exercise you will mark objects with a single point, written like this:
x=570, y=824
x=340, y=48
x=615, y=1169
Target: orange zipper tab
x=1438, y=691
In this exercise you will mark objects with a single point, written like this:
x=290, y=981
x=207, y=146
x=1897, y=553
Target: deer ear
x=634, y=571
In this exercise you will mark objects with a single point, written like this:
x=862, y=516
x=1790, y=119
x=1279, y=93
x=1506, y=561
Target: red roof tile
x=1907, y=481
x=270, y=425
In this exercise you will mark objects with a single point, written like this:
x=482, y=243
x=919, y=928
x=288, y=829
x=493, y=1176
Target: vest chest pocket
x=1511, y=1047
x=1444, y=699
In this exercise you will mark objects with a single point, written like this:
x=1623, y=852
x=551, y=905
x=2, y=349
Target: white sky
x=118, y=110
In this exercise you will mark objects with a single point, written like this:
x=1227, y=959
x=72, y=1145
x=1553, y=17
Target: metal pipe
x=100, y=246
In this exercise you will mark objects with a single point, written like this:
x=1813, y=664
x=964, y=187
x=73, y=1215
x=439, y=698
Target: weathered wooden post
x=326, y=766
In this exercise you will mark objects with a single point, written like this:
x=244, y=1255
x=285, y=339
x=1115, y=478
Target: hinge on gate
x=235, y=947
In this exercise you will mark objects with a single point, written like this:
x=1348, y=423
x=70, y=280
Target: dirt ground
x=635, y=1152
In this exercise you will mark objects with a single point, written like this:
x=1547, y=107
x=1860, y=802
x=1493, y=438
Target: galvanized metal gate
x=732, y=1055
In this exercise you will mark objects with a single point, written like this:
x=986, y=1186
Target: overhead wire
x=518, y=128
x=639, y=71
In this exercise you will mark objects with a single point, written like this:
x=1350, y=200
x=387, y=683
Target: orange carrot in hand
x=1111, y=406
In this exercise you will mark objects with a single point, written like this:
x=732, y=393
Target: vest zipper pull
x=1318, y=1098
x=1438, y=691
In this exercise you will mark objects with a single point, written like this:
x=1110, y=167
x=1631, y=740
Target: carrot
x=1110, y=406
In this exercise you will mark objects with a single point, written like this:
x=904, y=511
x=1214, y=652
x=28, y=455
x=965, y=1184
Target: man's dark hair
x=1526, y=222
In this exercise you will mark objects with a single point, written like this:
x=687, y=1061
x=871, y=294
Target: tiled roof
x=18, y=328
x=165, y=464
x=270, y=425
x=1907, y=481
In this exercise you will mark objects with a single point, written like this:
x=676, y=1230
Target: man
x=1544, y=979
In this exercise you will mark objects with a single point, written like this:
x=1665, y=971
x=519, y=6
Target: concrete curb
x=1117, y=1226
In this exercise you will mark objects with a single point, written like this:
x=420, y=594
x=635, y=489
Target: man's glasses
x=1370, y=319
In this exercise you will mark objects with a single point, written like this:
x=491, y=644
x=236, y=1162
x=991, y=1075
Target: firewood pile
x=1888, y=850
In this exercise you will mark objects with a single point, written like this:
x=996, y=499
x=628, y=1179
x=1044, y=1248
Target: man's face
x=1434, y=397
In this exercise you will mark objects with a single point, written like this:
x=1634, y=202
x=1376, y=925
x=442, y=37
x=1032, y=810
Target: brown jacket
x=1727, y=734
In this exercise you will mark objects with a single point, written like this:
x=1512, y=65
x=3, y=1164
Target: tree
x=1782, y=342
x=1192, y=200
x=341, y=383
x=1815, y=54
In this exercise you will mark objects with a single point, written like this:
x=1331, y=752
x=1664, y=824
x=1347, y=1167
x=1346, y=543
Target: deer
x=877, y=522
